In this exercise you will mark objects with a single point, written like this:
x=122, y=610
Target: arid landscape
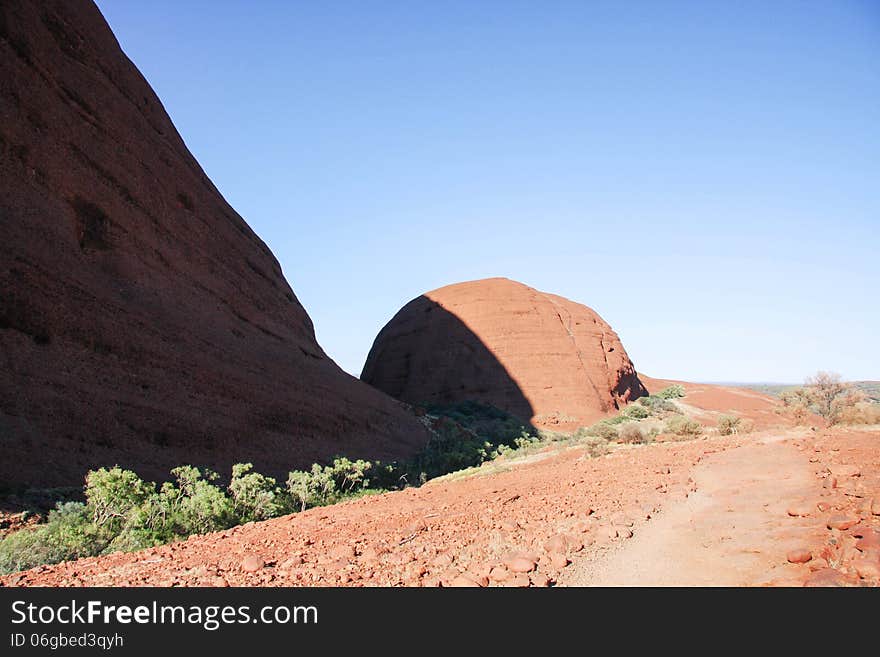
x=499, y=435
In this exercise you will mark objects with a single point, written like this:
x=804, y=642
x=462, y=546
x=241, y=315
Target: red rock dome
x=142, y=321
x=538, y=356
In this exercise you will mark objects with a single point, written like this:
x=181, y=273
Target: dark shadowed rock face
x=142, y=322
x=536, y=355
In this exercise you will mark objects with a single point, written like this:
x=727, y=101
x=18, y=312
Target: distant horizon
x=701, y=175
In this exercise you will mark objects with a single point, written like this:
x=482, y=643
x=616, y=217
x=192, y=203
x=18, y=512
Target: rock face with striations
x=536, y=355
x=142, y=322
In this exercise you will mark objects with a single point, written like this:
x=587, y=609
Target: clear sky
x=705, y=175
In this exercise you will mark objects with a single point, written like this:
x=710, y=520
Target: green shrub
x=728, y=424
x=635, y=412
x=671, y=392
x=657, y=404
x=113, y=494
x=68, y=534
x=603, y=430
x=683, y=426
x=255, y=496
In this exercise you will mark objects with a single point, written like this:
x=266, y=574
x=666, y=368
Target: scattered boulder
x=252, y=563
x=799, y=555
x=520, y=562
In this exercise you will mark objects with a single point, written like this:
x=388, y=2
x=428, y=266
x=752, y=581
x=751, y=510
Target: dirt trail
x=734, y=530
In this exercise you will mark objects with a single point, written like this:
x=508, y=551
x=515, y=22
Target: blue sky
x=705, y=175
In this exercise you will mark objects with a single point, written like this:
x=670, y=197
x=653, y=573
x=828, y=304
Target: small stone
x=840, y=521
x=800, y=510
x=800, y=555
x=843, y=471
x=519, y=564
x=442, y=560
x=557, y=543
x=252, y=563
x=292, y=563
x=559, y=561
x=624, y=532
x=875, y=506
x=825, y=578
x=870, y=540
x=520, y=580
x=464, y=581
x=499, y=574
x=342, y=552
x=539, y=580
x=867, y=568
x=607, y=532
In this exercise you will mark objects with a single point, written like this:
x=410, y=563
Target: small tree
x=728, y=424
x=824, y=394
x=631, y=433
x=825, y=390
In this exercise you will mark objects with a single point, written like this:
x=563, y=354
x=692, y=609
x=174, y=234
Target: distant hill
x=870, y=388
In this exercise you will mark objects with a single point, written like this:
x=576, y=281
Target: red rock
x=143, y=321
x=499, y=574
x=539, y=580
x=875, y=506
x=823, y=506
x=292, y=562
x=559, y=561
x=252, y=563
x=870, y=540
x=825, y=578
x=624, y=532
x=535, y=355
x=802, y=510
x=520, y=580
x=800, y=555
x=867, y=568
x=442, y=560
x=342, y=552
x=464, y=581
x=839, y=521
x=557, y=543
x=519, y=564
x=843, y=471
x=607, y=532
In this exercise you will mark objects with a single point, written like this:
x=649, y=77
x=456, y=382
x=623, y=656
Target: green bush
x=635, y=412
x=728, y=424
x=657, y=404
x=671, y=392
x=683, y=426
x=602, y=430
x=255, y=496
x=68, y=534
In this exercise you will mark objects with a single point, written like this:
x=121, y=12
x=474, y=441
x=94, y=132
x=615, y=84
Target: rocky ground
x=777, y=507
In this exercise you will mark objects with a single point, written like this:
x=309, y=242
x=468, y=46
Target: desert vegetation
x=836, y=401
x=123, y=512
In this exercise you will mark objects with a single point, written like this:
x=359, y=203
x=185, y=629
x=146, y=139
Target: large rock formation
x=142, y=322
x=536, y=355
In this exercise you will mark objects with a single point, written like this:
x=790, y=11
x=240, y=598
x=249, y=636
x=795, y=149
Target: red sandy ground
x=713, y=511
